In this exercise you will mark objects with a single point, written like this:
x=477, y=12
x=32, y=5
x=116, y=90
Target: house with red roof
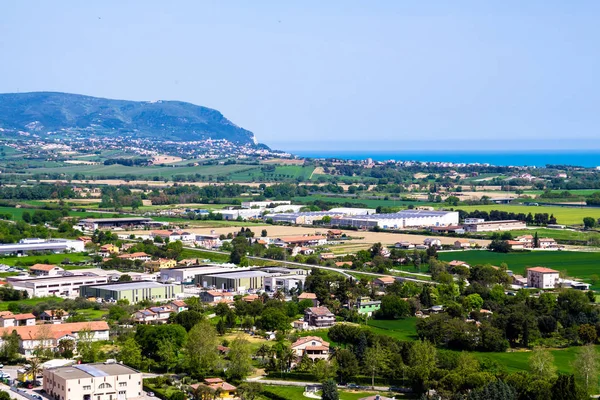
x=313, y=347
x=319, y=317
x=542, y=278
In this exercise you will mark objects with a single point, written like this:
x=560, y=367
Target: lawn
x=401, y=329
x=563, y=215
x=560, y=235
x=577, y=264
x=296, y=393
x=92, y=315
x=54, y=259
x=31, y=302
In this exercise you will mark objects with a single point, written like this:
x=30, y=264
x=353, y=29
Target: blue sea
x=537, y=159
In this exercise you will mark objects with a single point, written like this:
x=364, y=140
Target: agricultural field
x=578, y=264
x=557, y=234
x=564, y=215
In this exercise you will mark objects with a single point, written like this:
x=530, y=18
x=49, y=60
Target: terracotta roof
x=455, y=263
x=134, y=255
x=514, y=242
x=547, y=240
x=306, y=339
x=250, y=297
x=5, y=313
x=386, y=279
x=543, y=270
x=213, y=380
x=215, y=293
x=161, y=232
x=21, y=317
x=42, y=267
x=321, y=348
x=342, y=263
x=55, y=331
x=307, y=295
x=179, y=303
x=319, y=310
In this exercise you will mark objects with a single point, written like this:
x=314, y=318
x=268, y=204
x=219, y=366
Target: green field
x=563, y=215
x=577, y=264
x=47, y=259
x=296, y=393
x=401, y=329
x=561, y=235
x=92, y=315
x=31, y=302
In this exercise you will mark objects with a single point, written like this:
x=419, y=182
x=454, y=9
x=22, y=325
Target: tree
x=422, y=359
x=240, y=359
x=10, y=346
x=263, y=233
x=66, y=347
x=565, y=388
x=589, y=222
x=273, y=319
x=130, y=353
x=496, y=390
x=587, y=369
x=249, y=390
x=393, y=307
x=86, y=347
x=188, y=319
x=167, y=353
x=536, y=240
x=125, y=278
x=35, y=366
x=324, y=370
x=347, y=365
x=541, y=364
x=587, y=333
x=201, y=354
x=375, y=358
x=330, y=391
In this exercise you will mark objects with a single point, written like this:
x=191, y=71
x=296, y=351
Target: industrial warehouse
x=26, y=246
x=401, y=219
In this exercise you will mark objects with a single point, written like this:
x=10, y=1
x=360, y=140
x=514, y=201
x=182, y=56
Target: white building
x=49, y=335
x=230, y=215
x=354, y=211
x=542, y=278
x=190, y=275
x=53, y=245
x=60, y=286
x=285, y=283
x=491, y=226
x=101, y=381
x=402, y=219
x=264, y=204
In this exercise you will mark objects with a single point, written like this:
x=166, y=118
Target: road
x=277, y=382
x=342, y=271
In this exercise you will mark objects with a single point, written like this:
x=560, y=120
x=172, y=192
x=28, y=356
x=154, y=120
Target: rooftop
x=92, y=370
x=42, y=267
x=543, y=270
x=131, y=285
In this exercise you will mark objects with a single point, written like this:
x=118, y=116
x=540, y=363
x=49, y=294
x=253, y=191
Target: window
x=87, y=387
x=104, y=386
x=122, y=384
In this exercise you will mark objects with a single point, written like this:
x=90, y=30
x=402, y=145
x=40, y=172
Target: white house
x=314, y=347
x=45, y=270
x=542, y=278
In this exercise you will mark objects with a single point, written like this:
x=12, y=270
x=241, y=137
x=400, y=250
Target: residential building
x=26, y=246
x=161, y=263
x=313, y=347
x=404, y=245
x=383, y=281
x=137, y=256
x=527, y=241
x=319, y=317
x=153, y=315
x=9, y=319
x=366, y=306
x=222, y=389
x=211, y=241
x=100, y=381
x=134, y=292
x=48, y=336
x=215, y=296
x=307, y=240
x=516, y=245
x=45, y=270
x=542, y=278
x=547, y=243
x=490, y=226
x=109, y=249
x=462, y=244
x=54, y=316
x=458, y=263
x=309, y=296
x=432, y=242
x=178, y=306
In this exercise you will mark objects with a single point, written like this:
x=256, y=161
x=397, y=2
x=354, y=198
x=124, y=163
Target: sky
x=338, y=74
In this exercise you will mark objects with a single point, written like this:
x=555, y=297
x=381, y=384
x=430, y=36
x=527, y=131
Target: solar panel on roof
x=90, y=369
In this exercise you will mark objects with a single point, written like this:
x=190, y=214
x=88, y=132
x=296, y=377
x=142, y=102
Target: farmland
x=564, y=215
x=401, y=329
x=577, y=264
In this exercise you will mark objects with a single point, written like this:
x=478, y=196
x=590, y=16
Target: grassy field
x=401, y=329
x=46, y=259
x=92, y=315
x=557, y=234
x=563, y=215
x=368, y=202
x=577, y=264
x=31, y=302
x=296, y=393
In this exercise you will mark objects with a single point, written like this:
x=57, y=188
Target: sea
x=531, y=159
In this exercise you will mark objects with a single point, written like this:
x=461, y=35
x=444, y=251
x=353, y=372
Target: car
x=150, y=394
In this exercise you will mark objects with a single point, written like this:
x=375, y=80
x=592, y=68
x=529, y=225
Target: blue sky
x=343, y=75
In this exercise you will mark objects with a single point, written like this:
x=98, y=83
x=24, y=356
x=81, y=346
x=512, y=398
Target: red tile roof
x=306, y=339
x=302, y=239
x=320, y=311
x=307, y=295
x=543, y=270
x=42, y=267
x=55, y=331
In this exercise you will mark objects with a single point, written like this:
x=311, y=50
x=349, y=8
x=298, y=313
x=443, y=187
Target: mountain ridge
x=58, y=112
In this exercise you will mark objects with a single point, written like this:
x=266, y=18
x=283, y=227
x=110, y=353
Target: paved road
x=342, y=271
